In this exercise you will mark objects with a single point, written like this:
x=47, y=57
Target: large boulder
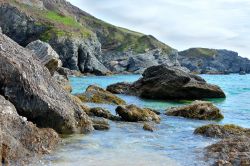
x=20, y=139
x=164, y=82
x=29, y=86
x=201, y=110
x=95, y=94
x=132, y=113
x=233, y=151
x=219, y=131
x=46, y=55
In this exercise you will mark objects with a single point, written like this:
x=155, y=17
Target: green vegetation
x=112, y=38
x=199, y=52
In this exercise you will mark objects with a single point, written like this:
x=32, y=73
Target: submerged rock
x=219, y=131
x=35, y=94
x=233, y=151
x=95, y=94
x=46, y=55
x=148, y=127
x=164, y=82
x=100, y=112
x=133, y=113
x=20, y=139
x=201, y=110
x=100, y=123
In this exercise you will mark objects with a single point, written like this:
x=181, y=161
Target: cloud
x=180, y=23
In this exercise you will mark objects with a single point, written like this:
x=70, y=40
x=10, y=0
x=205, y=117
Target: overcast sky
x=180, y=23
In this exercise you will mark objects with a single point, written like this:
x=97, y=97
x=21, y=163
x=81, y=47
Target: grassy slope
x=112, y=38
x=198, y=52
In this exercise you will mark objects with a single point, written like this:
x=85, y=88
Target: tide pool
x=173, y=143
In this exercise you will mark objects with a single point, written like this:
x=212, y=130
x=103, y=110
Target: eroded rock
x=201, y=110
x=133, y=113
x=95, y=94
x=21, y=140
x=220, y=131
x=46, y=55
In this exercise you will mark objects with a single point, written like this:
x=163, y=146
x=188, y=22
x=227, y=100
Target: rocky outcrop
x=230, y=152
x=29, y=86
x=100, y=112
x=212, y=61
x=95, y=94
x=233, y=149
x=100, y=123
x=164, y=82
x=83, y=42
x=148, y=127
x=132, y=113
x=46, y=55
x=20, y=139
x=219, y=131
x=201, y=110
x=63, y=81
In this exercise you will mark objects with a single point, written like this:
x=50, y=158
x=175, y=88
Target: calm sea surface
x=173, y=143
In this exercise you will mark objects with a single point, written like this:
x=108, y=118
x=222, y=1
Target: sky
x=182, y=24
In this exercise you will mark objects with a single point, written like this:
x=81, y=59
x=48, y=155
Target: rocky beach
x=75, y=90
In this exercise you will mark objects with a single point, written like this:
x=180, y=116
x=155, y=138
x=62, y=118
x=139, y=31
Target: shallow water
x=173, y=143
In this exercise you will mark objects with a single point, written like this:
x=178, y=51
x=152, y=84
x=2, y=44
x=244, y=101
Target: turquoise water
x=173, y=143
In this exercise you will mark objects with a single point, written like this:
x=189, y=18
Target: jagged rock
x=46, y=55
x=21, y=140
x=148, y=127
x=233, y=151
x=35, y=94
x=95, y=94
x=219, y=131
x=63, y=81
x=132, y=113
x=201, y=110
x=164, y=82
x=119, y=88
x=100, y=112
x=100, y=123
x=213, y=61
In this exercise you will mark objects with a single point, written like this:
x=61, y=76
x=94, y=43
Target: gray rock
x=29, y=86
x=46, y=55
x=164, y=82
x=21, y=140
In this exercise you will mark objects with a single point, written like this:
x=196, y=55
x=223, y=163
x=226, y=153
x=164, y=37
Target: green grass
x=65, y=20
x=199, y=52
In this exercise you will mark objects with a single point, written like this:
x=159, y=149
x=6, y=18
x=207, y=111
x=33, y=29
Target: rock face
x=20, y=139
x=212, y=61
x=83, y=42
x=100, y=112
x=132, y=113
x=63, y=81
x=29, y=86
x=46, y=55
x=230, y=152
x=95, y=94
x=219, y=131
x=164, y=82
x=201, y=110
